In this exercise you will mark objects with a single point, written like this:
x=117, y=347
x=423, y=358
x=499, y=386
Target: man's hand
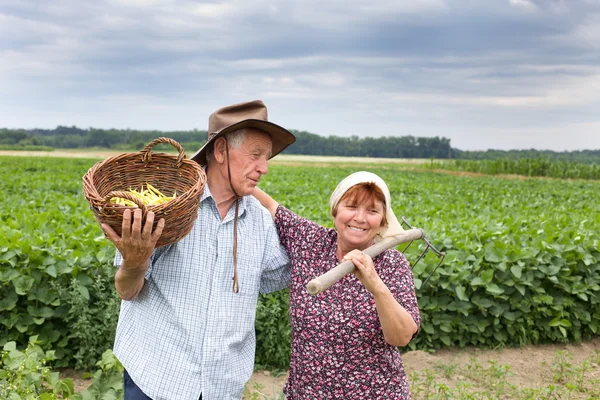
x=136, y=245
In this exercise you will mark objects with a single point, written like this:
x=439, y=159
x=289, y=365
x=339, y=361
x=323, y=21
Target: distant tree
x=307, y=143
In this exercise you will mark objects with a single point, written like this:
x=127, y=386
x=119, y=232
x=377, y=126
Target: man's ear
x=219, y=150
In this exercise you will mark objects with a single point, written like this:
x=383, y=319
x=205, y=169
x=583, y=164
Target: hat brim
x=280, y=137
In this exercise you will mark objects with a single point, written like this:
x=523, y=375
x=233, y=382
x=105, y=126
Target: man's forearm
x=129, y=281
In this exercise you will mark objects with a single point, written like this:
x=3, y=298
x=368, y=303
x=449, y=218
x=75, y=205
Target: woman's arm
x=266, y=201
x=397, y=323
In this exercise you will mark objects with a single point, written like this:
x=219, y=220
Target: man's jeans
x=132, y=391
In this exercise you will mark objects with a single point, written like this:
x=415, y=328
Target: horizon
x=296, y=130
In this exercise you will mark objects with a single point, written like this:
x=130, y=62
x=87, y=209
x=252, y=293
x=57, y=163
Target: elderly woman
x=344, y=340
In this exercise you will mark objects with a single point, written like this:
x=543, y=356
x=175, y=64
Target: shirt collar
x=206, y=194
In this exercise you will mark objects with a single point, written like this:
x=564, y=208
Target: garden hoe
x=325, y=281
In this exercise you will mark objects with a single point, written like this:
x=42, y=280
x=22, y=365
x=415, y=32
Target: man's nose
x=262, y=166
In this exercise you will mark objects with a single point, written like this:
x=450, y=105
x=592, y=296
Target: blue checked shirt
x=187, y=333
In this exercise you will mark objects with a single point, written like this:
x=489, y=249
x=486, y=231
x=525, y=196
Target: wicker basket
x=169, y=173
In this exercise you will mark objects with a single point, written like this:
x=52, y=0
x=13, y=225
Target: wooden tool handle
x=326, y=280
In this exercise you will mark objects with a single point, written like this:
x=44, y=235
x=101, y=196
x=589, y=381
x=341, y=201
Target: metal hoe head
x=428, y=246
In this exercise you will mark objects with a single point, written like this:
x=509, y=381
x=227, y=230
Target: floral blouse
x=338, y=348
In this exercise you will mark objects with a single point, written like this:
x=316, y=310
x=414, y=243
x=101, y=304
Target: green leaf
x=428, y=329
x=22, y=284
x=516, y=271
x=51, y=270
x=549, y=269
x=8, y=255
x=45, y=312
x=494, y=289
x=418, y=283
x=582, y=296
x=563, y=331
x=84, y=279
x=460, y=293
x=10, y=346
x=555, y=322
x=84, y=291
x=491, y=256
x=477, y=281
x=487, y=276
x=53, y=379
x=8, y=299
x=49, y=260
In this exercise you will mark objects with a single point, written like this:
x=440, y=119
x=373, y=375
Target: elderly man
x=186, y=327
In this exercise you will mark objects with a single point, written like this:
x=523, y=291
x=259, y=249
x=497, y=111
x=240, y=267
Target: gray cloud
x=502, y=74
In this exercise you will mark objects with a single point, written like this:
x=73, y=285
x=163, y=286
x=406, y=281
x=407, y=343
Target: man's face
x=249, y=161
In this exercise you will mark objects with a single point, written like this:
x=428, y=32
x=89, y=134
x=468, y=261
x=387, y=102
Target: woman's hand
x=365, y=271
x=397, y=324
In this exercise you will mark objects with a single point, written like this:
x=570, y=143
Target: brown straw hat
x=252, y=114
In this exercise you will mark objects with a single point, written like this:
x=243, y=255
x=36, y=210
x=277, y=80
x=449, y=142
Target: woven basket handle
x=146, y=157
x=128, y=196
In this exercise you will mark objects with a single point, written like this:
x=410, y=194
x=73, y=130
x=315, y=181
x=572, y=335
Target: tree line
x=306, y=143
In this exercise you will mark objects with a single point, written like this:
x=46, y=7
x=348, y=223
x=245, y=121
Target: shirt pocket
x=249, y=273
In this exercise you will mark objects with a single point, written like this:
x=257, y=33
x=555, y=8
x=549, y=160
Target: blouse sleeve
x=398, y=277
x=296, y=232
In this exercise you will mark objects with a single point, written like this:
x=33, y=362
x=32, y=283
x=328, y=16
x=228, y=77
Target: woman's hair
x=364, y=193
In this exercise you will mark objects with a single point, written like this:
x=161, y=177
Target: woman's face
x=358, y=224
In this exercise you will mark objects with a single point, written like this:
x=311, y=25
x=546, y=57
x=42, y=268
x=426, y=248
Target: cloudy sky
x=502, y=74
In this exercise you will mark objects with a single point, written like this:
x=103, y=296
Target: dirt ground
x=281, y=158
x=530, y=366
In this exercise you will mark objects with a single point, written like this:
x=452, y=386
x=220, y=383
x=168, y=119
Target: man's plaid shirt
x=187, y=333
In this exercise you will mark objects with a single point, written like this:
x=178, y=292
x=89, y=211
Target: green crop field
x=522, y=264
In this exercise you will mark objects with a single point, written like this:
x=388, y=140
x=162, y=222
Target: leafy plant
x=56, y=273
x=539, y=166
x=273, y=330
x=25, y=374
x=522, y=264
x=107, y=381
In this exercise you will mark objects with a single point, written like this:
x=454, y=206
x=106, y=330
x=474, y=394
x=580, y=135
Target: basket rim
x=91, y=192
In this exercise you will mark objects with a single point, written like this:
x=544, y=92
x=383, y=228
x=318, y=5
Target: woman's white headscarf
x=393, y=227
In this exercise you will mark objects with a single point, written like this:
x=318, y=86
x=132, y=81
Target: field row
x=522, y=264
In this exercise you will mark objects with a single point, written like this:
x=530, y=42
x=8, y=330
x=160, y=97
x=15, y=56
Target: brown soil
x=279, y=159
x=62, y=153
x=530, y=367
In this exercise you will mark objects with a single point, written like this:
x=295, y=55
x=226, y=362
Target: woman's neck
x=341, y=251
